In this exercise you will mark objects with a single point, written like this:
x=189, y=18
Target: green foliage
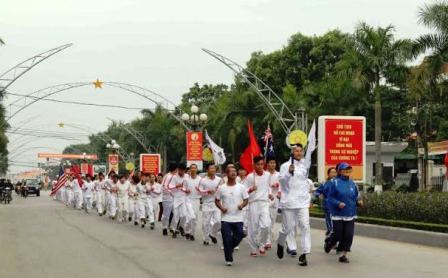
x=417, y=207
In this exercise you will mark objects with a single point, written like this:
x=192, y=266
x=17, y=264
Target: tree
x=374, y=61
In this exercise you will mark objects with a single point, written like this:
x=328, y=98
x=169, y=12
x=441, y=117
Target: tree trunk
x=378, y=129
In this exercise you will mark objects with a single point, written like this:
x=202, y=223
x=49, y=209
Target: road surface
x=40, y=237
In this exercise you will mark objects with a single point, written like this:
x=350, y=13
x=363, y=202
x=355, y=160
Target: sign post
x=342, y=139
x=194, y=148
x=150, y=163
x=113, y=163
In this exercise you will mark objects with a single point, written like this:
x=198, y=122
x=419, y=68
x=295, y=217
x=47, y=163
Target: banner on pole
x=342, y=139
x=150, y=163
x=194, y=148
x=113, y=163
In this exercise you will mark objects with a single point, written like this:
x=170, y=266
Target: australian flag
x=266, y=143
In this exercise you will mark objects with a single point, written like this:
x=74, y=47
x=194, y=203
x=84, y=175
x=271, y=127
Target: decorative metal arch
x=155, y=98
x=286, y=118
x=11, y=75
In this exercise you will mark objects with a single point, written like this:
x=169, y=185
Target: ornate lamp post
x=195, y=119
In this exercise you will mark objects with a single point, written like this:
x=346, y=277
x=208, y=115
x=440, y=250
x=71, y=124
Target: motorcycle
x=24, y=190
x=6, y=195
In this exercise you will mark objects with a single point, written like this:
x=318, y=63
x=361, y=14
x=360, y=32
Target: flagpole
x=266, y=146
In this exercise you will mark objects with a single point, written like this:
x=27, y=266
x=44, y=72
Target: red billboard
x=150, y=163
x=342, y=139
x=194, y=146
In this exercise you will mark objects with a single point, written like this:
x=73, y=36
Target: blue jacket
x=323, y=190
x=342, y=190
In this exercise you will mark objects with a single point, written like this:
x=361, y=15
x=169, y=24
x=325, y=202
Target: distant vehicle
x=5, y=191
x=33, y=187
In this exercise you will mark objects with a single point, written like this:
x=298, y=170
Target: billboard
x=342, y=139
x=150, y=163
x=194, y=148
x=113, y=161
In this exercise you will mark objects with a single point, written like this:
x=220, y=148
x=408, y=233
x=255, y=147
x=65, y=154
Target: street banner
x=342, y=139
x=150, y=163
x=113, y=161
x=97, y=168
x=84, y=168
x=68, y=156
x=194, y=148
x=435, y=148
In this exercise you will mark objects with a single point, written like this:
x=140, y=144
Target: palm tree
x=434, y=16
x=376, y=60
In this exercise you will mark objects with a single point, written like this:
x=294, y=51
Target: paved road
x=42, y=238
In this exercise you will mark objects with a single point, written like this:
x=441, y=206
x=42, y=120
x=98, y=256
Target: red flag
x=77, y=173
x=90, y=170
x=253, y=150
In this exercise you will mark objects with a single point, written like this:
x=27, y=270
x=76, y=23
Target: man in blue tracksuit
x=342, y=201
x=322, y=193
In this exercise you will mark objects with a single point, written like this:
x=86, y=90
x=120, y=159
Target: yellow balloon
x=297, y=137
x=207, y=154
x=130, y=166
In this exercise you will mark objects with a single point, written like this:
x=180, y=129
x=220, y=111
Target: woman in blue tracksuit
x=342, y=201
x=322, y=193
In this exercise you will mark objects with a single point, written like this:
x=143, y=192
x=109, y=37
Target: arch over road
x=286, y=118
x=153, y=97
x=11, y=75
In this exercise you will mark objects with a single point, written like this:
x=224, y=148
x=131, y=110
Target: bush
x=416, y=207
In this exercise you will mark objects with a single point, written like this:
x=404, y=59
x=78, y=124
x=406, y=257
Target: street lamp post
x=195, y=119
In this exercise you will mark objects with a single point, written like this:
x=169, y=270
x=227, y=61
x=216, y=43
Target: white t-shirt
x=192, y=185
x=167, y=196
x=179, y=194
x=263, y=187
x=208, y=200
x=123, y=189
x=295, y=188
x=88, y=188
x=156, y=192
x=231, y=197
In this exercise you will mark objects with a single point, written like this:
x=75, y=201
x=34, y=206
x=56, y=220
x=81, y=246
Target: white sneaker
x=237, y=248
x=229, y=263
x=222, y=247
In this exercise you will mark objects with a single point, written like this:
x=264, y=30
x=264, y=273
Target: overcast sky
x=156, y=45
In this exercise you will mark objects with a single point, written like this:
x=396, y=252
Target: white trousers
x=100, y=201
x=179, y=215
x=69, y=197
x=193, y=206
x=259, y=225
x=123, y=206
x=113, y=205
x=167, y=209
x=134, y=209
x=155, y=207
x=147, y=209
x=211, y=223
x=88, y=203
x=77, y=199
x=292, y=218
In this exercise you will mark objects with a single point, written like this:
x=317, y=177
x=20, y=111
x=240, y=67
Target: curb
x=392, y=233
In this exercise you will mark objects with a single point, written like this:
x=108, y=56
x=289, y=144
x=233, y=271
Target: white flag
x=312, y=144
x=218, y=153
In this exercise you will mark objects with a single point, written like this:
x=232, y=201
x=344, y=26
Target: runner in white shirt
x=167, y=199
x=88, y=188
x=100, y=189
x=178, y=189
x=77, y=193
x=123, y=198
x=193, y=202
x=259, y=224
x=211, y=217
x=273, y=206
x=134, y=202
x=69, y=191
x=231, y=198
x=154, y=192
x=295, y=201
x=112, y=188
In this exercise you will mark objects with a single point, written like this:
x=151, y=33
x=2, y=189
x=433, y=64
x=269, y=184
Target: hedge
x=419, y=210
x=415, y=207
x=441, y=228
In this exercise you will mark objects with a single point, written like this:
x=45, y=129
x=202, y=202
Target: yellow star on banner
x=98, y=84
x=61, y=124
